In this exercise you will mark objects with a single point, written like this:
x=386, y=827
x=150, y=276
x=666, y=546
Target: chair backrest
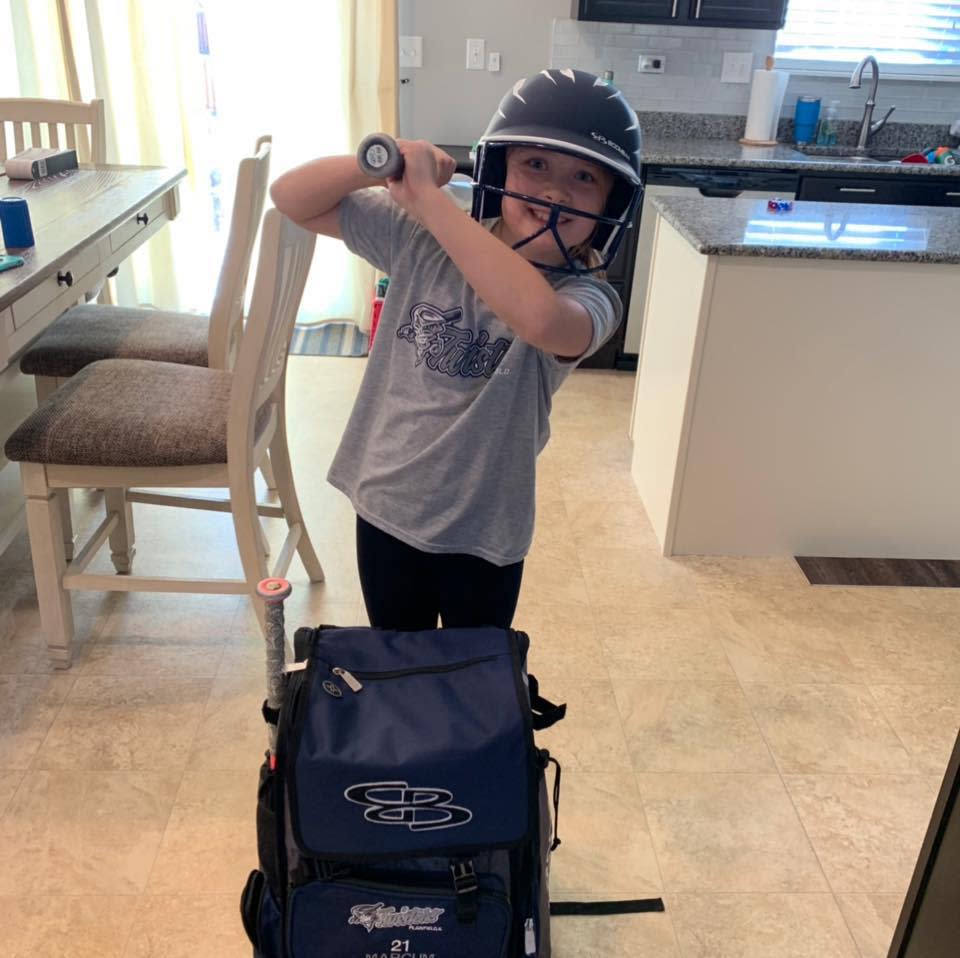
x=286, y=251
x=226, y=314
x=37, y=123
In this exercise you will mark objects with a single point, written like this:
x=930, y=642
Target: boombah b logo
x=420, y=809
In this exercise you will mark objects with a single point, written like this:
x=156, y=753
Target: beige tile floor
x=762, y=754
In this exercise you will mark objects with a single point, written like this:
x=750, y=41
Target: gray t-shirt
x=440, y=449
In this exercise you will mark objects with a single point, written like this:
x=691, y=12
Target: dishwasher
x=678, y=181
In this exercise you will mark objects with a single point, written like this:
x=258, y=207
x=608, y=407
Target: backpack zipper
x=435, y=891
x=352, y=679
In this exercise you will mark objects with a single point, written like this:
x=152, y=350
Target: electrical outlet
x=493, y=62
x=476, y=56
x=737, y=68
x=651, y=63
x=411, y=51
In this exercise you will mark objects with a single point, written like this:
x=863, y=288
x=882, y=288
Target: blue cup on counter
x=805, y=118
x=15, y=222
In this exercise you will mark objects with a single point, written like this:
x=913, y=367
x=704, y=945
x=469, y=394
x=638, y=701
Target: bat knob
x=378, y=155
x=273, y=590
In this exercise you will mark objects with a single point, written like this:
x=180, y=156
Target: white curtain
x=31, y=61
x=193, y=83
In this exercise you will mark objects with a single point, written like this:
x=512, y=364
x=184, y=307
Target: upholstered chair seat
x=91, y=332
x=131, y=413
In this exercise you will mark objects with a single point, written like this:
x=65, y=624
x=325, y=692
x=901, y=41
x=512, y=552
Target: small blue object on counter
x=15, y=223
x=777, y=205
x=805, y=118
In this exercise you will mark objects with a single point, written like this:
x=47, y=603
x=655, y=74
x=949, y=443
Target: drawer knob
x=143, y=219
x=64, y=278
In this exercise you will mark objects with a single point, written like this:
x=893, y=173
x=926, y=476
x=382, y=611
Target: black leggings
x=404, y=588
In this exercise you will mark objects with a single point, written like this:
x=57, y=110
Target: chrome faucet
x=867, y=127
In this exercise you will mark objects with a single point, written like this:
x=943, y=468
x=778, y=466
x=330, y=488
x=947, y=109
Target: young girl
x=484, y=318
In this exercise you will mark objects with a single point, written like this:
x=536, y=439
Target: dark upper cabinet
x=751, y=14
x=632, y=11
x=759, y=14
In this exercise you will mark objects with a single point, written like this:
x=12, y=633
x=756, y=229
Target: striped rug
x=329, y=339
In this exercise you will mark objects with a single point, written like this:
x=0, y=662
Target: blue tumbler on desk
x=15, y=222
x=805, y=118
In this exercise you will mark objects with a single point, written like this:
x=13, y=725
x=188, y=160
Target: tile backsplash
x=694, y=61
x=902, y=138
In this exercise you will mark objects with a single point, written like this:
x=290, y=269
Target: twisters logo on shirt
x=448, y=348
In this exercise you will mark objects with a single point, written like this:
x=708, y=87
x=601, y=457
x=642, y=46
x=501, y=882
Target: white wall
x=446, y=103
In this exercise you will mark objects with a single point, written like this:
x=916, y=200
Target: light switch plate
x=737, y=68
x=411, y=51
x=493, y=62
x=476, y=55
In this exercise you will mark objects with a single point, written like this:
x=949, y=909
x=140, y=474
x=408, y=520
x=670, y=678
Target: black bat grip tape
x=378, y=155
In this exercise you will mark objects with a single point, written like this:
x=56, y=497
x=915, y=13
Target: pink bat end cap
x=273, y=590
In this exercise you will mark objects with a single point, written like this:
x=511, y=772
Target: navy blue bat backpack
x=404, y=812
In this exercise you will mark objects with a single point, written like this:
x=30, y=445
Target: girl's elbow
x=537, y=326
x=564, y=329
x=542, y=325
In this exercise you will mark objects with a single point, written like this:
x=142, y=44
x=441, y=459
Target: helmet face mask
x=571, y=264
x=579, y=115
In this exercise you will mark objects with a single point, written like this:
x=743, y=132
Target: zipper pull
x=351, y=680
x=529, y=938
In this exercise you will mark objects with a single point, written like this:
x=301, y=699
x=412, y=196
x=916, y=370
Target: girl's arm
x=514, y=289
x=310, y=194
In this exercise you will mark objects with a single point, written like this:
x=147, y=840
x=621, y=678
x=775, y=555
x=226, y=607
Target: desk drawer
x=63, y=288
x=138, y=222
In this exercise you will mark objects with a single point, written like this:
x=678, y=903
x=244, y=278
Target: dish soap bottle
x=829, y=125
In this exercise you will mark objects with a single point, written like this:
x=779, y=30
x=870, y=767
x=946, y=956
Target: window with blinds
x=920, y=37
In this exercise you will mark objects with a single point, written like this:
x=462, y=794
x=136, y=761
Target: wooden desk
x=85, y=223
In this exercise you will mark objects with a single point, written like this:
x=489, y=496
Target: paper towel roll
x=766, y=100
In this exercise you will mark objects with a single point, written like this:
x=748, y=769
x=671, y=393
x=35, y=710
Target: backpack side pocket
x=261, y=917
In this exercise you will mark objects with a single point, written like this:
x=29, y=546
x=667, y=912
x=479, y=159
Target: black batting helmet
x=576, y=113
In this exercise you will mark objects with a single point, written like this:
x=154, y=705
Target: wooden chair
x=92, y=331
x=84, y=127
x=121, y=423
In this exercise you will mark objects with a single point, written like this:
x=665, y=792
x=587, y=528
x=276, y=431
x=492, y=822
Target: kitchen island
x=799, y=380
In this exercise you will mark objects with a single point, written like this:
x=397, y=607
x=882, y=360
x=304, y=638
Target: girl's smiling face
x=553, y=177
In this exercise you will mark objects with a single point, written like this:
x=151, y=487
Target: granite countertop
x=847, y=231
x=697, y=151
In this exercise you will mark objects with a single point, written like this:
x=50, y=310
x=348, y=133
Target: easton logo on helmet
x=606, y=141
